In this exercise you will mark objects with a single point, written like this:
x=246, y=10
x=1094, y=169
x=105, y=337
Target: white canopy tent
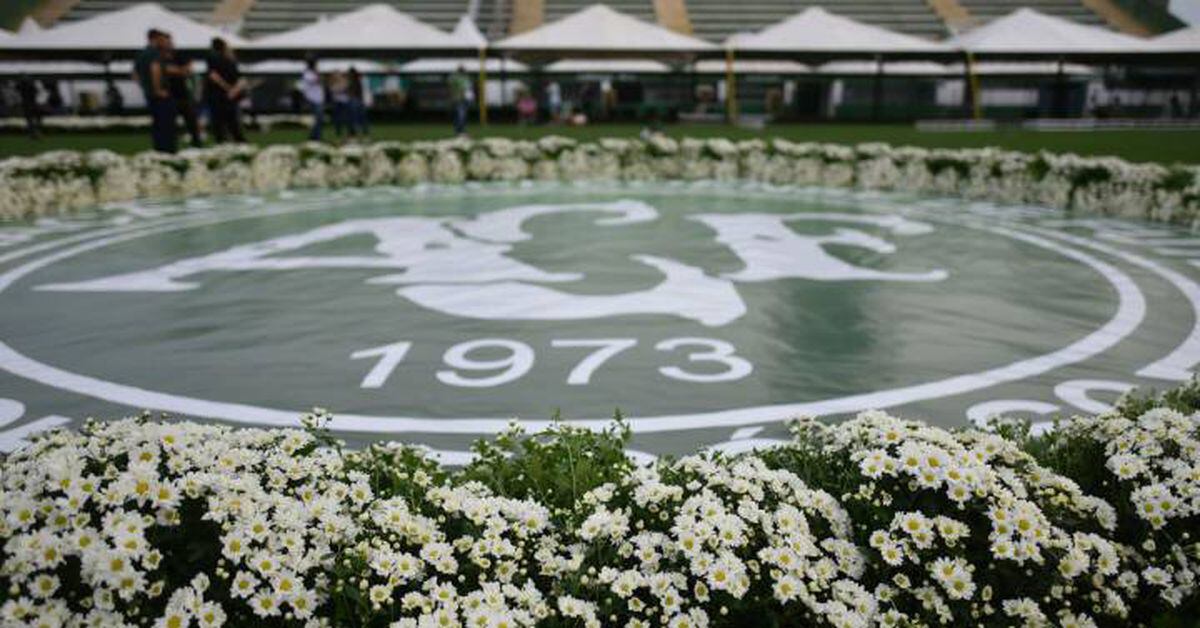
x=293, y=67
x=371, y=30
x=1027, y=32
x=28, y=26
x=752, y=66
x=607, y=66
x=449, y=65
x=817, y=32
x=467, y=32
x=1182, y=40
x=598, y=30
x=120, y=31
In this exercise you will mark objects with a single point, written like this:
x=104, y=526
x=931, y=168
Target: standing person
x=148, y=72
x=339, y=93
x=179, y=84
x=358, y=104
x=460, y=96
x=112, y=95
x=28, y=92
x=314, y=95
x=54, y=99
x=554, y=101
x=223, y=88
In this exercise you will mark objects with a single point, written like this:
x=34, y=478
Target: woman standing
x=223, y=88
x=358, y=104
x=339, y=92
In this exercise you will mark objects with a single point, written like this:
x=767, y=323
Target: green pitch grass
x=1175, y=146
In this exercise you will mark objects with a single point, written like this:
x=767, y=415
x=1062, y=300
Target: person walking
x=460, y=98
x=358, y=104
x=149, y=75
x=27, y=91
x=313, y=90
x=179, y=84
x=223, y=89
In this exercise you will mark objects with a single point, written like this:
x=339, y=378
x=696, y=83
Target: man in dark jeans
x=30, y=108
x=148, y=72
x=223, y=88
x=179, y=83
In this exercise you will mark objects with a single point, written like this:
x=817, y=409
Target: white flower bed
x=873, y=522
x=62, y=181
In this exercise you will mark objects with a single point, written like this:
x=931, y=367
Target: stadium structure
x=701, y=87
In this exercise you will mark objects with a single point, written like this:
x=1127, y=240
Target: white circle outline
x=1131, y=310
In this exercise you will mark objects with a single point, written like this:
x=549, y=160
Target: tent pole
x=877, y=90
x=483, y=112
x=731, y=108
x=973, y=87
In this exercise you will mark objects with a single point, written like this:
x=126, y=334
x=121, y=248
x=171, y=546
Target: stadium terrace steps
x=272, y=16
x=642, y=9
x=201, y=10
x=710, y=19
x=717, y=19
x=983, y=11
x=494, y=17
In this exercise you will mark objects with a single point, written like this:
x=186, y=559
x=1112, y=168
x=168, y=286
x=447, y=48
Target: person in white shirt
x=554, y=101
x=314, y=93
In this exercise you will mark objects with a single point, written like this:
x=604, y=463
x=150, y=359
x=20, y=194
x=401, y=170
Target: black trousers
x=33, y=120
x=226, y=124
x=162, y=125
x=191, y=121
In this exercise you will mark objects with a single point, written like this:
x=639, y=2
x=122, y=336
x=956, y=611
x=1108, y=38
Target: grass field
x=1141, y=145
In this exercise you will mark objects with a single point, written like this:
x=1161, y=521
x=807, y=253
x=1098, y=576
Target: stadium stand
x=271, y=16
x=717, y=19
x=493, y=18
x=987, y=10
x=643, y=9
x=710, y=19
x=196, y=9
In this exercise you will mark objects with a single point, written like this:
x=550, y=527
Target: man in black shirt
x=148, y=72
x=223, y=88
x=179, y=84
x=28, y=92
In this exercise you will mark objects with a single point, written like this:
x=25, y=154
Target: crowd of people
x=31, y=99
x=165, y=78
x=341, y=95
x=178, y=97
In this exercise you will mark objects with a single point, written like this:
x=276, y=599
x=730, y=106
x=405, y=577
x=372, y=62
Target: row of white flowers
x=877, y=521
x=62, y=181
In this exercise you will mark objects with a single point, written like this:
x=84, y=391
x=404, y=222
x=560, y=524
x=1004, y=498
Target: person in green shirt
x=460, y=97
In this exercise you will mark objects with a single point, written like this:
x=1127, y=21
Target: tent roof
x=607, y=66
x=897, y=68
x=1028, y=31
x=752, y=66
x=123, y=29
x=598, y=28
x=296, y=68
x=468, y=33
x=1182, y=40
x=372, y=27
x=470, y=65
x=819, y=31
x=117, y=69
